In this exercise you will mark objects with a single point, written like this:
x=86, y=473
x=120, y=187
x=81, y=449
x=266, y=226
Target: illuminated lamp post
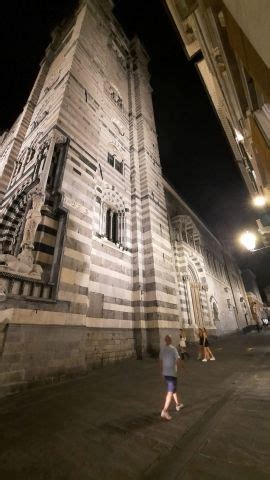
x=248, y=240
x=259, y=201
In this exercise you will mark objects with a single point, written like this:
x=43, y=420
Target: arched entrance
x=11, y=223
x=195, y=292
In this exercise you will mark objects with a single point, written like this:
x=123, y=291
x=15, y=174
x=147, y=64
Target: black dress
x=204, y=341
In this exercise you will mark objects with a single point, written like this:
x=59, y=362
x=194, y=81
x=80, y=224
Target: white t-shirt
x=183, y=342
x=169, y=355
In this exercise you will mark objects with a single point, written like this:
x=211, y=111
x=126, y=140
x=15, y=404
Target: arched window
x=189, y=233
x=112, y=223
x=190, y=237
x=25, y=157
x=30, y=155
x=184, y=234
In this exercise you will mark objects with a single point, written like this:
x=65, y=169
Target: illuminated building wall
x=88, y=267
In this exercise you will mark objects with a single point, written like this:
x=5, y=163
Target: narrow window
x=108, y=224
x=184, y=235
x=115, y=163
x=118, y=166
x=112, y=225
x=111, y=159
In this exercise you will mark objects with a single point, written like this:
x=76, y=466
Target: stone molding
x=70, y=202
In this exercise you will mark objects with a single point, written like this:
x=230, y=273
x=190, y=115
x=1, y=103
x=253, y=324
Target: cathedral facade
x=100, y=257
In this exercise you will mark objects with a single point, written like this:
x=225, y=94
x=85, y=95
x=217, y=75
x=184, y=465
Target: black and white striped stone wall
x=119, y=276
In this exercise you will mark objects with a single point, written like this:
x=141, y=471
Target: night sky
x=195, y=155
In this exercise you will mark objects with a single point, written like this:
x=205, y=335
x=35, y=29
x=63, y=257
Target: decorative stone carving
x=25, y=157
x=37, y=140
x=219, y=59
x=120, y=127
x=11, y=201
x=14, y=264
x=33, y=218
x=57, y=136
x=189, y=33
x=5, y=153
x=3, y=158
x=70, y=202
x=114, y=93
x=119, y=55
x=3, y=289
x=39, y=118
x=113, y=199
x=24, y=262
x=185, y=230
x=115, y=148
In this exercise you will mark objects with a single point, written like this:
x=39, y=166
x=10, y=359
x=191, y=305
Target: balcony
x=19, y=287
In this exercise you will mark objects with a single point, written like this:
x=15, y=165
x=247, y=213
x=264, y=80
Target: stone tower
x=86, y=267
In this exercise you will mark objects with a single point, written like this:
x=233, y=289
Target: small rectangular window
x=115, y=163
x=111, y=159
x=119, y=166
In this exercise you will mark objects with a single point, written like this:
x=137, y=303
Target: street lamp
x=259, y=201
x=248, y=240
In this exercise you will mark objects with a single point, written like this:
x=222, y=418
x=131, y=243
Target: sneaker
x=212, y=358
x=165, y=415
x=179, y=406
x=204, y=360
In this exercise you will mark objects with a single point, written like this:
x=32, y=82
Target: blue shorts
x=171, y=383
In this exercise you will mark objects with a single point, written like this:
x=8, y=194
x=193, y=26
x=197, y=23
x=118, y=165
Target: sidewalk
x=107, y=425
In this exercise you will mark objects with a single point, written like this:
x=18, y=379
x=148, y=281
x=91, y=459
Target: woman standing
x=183, y=345
x=201, y=346
x=208, y=355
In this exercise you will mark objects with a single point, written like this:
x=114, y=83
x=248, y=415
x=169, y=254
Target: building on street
x=229, y=43
x=251, y=287
x=99, y=255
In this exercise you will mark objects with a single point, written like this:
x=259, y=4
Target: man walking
x=169, y=360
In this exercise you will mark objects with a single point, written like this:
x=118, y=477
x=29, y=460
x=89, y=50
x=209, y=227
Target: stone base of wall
x=41, y=354
x=35, y=354
x=154, y=341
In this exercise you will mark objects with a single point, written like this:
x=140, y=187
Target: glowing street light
x=259, y=201
x=248, y=240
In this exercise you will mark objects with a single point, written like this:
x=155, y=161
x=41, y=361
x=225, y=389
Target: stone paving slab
x=107, y=425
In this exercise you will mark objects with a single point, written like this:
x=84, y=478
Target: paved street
x=107, y=425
